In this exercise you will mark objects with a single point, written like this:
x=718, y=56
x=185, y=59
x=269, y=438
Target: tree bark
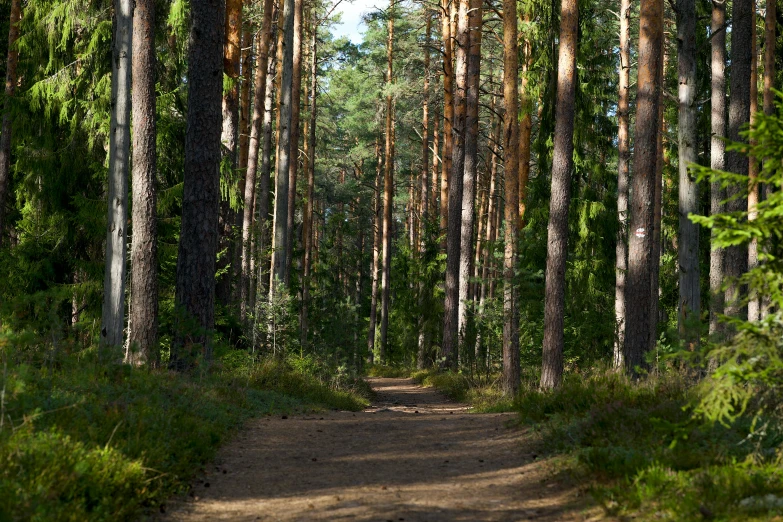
x=717, y=154
x=770, y=26
x=388, y=190
x=526, y=124
x=256, y=127
x=447, y=6
x=470, y=165
x=113, y=318
x=232, y=52
x=376, y=251
x=688, y=237
x=195, y=288
x=10, y=89
x=307, y=225
x=736, y=257
x=560, y=199
x=143, y=331
x=425, y=141
x=638, y=296
x=754, y=303
x=280, y=239
x=245, y=116
x=450, y=344
x=623, y=164
x=511, y=370
x=296, y=93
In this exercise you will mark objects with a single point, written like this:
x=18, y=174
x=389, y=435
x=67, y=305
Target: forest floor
x=411, y=456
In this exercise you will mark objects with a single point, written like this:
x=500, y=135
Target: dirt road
x=412, y=456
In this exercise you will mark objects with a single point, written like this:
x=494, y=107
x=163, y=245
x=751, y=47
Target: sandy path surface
x=411, y=456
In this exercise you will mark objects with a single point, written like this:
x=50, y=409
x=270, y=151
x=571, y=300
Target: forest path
x=412, y=456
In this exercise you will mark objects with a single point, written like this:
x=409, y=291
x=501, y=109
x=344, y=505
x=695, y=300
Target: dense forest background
x=513, y=192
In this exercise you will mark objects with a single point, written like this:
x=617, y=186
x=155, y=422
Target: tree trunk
x=754, y=304
x=470, y=165
x=736, y=257
x=770, y=25
x=688, y=236
x=376, y=247
x=425, y=141
x=296, y=93
x=113, y=319
x=259, y=97
x=511, y=375
x=245, y=116
x=562, y=164
x=717, y=154
x=450, y=344
x=10, y=88
x=232, y=52
x=655, y=280
x=447, y=6
x=623, y=163
x=143, y=331
x=195, y=289
x=638, y=296
x=280, y=239
x=526, y=124
x=307, y=225
x=388, y=191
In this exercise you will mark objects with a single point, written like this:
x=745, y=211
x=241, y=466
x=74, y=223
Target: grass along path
x=412, y=456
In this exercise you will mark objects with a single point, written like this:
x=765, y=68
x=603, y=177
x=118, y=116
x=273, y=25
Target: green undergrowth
x=648, y=457
x=482, y=393
x=85, y=441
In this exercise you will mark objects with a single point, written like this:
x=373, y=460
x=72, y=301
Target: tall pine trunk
x=388, y=191
x=560, y=199
x=447, y=6
x=307, y=225
x=638, y=296
x=688, y=236
x=256, y=124
x=623, y=169
x=736, y=257
x=470, y=165
x=10, y=88
x=526, y=124
x=717, y=154
x=113, y=318
x=280, y=237
x=195, y=288
x=143, y=331
x=511, y=370
x=754, y=303
x=232, y=52
x=376, y=253
x=296, y=93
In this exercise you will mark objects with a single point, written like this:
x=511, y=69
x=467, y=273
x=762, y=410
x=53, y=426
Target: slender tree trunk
x=447, y=6
x=256, y=128
x=10, y=88
x=754, y=303
x=623, y=164
x=638, y=296
x=655, y=280
x=489, y=237
x=511, y=375
x=296, y=93
x=143, y=331
x=245, y=116
x=688, y=236
x=526, y=124
x=770, y=25
x=195, y=289
x=388, y=190
x=280, y=238
x=307, y=225
x=562, y=164
x=470, y=165
x=113, y=319
x=232, y=52
x=736, y=257
x=425, y=141
x=435, y=193
x=450, y=344
x=376, y=250
x=717, y=154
